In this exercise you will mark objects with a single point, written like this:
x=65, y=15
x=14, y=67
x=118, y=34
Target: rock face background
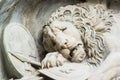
x=34, y=14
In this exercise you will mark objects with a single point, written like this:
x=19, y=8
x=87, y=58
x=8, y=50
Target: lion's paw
x=52, y=59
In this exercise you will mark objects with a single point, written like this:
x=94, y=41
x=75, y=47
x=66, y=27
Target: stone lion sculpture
x=83, y=33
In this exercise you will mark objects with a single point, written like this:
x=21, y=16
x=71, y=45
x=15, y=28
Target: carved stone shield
x=18, y=44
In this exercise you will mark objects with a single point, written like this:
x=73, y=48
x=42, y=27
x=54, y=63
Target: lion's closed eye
x=79, y=44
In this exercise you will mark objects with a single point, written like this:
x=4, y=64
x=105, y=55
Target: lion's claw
x=53, y=59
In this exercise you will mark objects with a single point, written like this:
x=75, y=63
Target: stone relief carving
x=18, y=45
x=82, y=33
x=79, y=33
x=76, y=32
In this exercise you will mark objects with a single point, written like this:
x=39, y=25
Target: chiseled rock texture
x=34, y=14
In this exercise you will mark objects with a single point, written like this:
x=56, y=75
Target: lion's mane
x=92, y=21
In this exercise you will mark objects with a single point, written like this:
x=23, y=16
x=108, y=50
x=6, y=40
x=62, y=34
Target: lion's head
x=92, y=22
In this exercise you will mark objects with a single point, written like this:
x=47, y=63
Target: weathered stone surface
x=30, y=14
x=34, y=14
x=94, y=29
x=17, y=45
x=76, y=31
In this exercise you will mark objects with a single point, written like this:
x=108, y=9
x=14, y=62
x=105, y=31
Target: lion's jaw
x=78, y=54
